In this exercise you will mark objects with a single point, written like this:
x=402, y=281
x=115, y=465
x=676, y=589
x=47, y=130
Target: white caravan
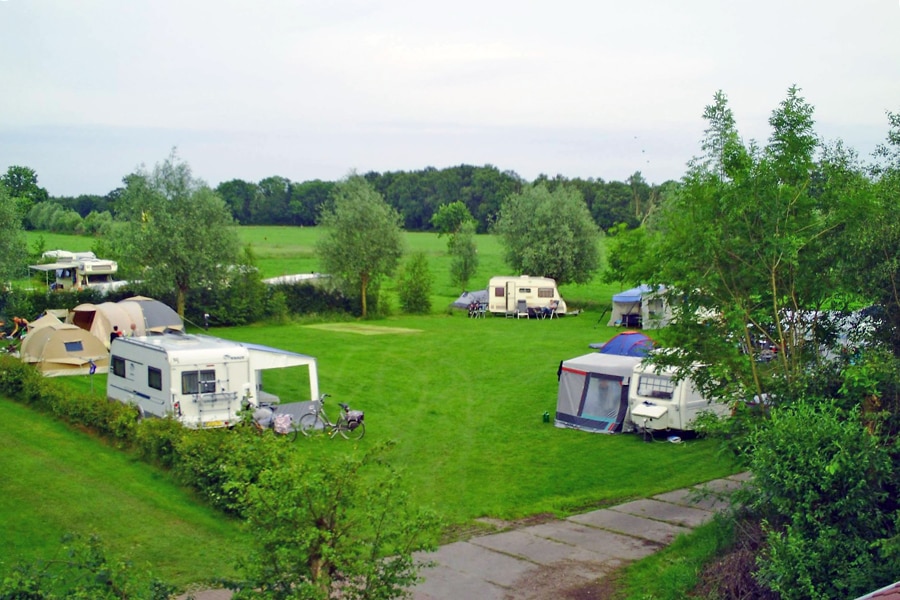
x=79, y=270
x=201, y=381
x=657, y=402
x=505, y=294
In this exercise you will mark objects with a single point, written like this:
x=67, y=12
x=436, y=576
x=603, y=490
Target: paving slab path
x=542, y=561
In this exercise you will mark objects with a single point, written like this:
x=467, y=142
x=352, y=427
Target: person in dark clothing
x=115, y=333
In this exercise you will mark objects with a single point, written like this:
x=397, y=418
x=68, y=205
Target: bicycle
x=349, y=425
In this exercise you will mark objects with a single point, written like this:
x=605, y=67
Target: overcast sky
x=311, y=89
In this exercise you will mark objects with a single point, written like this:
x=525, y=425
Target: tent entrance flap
x=596, y=402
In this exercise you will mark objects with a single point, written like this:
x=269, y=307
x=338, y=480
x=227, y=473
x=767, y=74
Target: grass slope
x=58, y=480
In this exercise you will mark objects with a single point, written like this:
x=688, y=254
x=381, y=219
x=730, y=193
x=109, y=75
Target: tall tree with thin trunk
x=13, y=249
x=363, y=240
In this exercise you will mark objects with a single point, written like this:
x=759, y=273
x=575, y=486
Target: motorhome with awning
x=202, y=381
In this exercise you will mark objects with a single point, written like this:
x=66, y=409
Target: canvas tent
x=593, y=392
x=99, y=319
x=58, y=348
x=626, y=343
x=148, y=315
x=157, y=317
x=640, y=307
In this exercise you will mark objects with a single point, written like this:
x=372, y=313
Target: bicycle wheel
x=311, y=424
x=352, y=434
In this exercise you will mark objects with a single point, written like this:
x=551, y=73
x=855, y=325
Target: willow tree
x=550, y=234
x=178, y=234
x=363, y=240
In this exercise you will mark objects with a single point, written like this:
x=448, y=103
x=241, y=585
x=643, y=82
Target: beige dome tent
x=58, y=348
x=157, y=317
x=99, y=319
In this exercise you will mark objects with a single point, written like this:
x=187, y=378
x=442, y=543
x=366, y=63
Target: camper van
x=202, y=381
x=657, y=402
x=506, y=294
x=79, y=270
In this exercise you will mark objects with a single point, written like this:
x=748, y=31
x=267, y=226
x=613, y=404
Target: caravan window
x=154, y=378
x=117, y=366
x=545, y=292
x=499, y=291
x=524, y=291
x=654, y=386
x=198, y=382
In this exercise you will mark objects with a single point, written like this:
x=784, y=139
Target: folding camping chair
x=521, y=309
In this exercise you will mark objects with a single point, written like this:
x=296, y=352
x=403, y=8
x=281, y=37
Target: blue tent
x=626, y=343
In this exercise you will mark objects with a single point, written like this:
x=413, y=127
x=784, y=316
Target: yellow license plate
x=214, y=424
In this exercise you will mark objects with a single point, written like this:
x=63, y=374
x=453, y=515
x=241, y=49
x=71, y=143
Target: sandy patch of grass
x=362, y=328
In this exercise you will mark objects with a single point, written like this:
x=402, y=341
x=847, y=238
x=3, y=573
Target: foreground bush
x=83, y=570
x=820, y=487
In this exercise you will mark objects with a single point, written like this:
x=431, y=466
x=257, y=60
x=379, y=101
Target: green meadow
x=463, y=398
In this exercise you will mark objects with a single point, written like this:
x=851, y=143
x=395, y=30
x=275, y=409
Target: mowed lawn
x=465, y=398
x=57, y=480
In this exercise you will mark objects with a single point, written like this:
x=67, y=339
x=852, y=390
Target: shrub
x=819, y=484
x=414, y=285
x=83, y=571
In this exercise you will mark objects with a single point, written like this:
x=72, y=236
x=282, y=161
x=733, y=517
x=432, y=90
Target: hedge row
x=218, y=463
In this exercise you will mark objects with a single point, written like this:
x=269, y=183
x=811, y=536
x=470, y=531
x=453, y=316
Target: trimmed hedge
x=218, y=463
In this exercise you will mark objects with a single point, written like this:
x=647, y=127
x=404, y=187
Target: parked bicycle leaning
x=349, y=425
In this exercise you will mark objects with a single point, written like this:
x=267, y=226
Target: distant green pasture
x=290, y=250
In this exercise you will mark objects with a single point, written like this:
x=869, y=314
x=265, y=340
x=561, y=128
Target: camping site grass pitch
x=58, y=480
x=464, y=399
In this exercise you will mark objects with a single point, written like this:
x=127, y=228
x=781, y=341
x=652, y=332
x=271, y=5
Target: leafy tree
x=462, y=248
x=342, y=525
x=363, y=241
x=414, y=285
x=754, y=246
x=550, y=234
x=872, y=254
x=241, y=198
x=178, y=234
x=13, y=248
x=455, y=221
x=745, y=237
x=449, y=218
x=22, y=185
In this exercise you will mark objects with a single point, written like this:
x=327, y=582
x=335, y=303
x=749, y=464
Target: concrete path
x=540, y=561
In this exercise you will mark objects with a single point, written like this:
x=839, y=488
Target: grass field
x=57, y=481
x=463, y=398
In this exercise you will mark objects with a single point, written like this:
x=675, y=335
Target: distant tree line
x=415, y=195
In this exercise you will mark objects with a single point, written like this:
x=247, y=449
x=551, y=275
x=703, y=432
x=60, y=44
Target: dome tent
x=157, y=316
x=626, y=343
x=58, y=348
x=100, y=319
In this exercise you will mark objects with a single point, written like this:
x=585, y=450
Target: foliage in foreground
x=339, y=527
x=824, y=487
x=322, y=525
x=83, y=570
